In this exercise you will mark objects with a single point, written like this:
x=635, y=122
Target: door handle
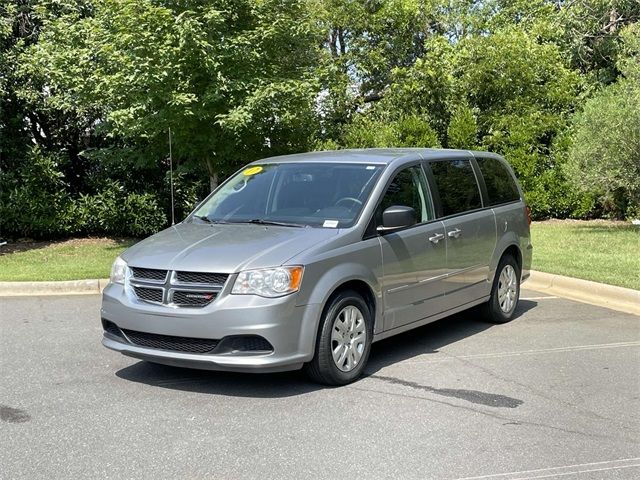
x=436, y=238
x=455, y=233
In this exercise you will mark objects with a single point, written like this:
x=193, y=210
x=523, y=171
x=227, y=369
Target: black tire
x=323, y=368
x=491, y=310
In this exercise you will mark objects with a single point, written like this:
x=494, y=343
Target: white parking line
x=562, y=471
x=528, y=352
x=537, y=298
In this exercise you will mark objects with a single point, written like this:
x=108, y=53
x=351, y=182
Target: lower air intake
x=244, y=343
x=171, y=343
x=112, y=328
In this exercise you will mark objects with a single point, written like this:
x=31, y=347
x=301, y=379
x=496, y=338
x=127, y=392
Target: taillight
x=528, y=211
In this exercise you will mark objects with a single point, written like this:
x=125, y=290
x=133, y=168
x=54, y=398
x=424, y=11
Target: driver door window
x=409, y=189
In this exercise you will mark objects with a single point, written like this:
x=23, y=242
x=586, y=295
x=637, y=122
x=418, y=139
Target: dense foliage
x=90, y=88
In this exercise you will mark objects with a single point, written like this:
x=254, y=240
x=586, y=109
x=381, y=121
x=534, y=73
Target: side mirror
x=396, y=217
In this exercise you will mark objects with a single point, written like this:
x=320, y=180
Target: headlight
x=268, y=282
x=118, y=271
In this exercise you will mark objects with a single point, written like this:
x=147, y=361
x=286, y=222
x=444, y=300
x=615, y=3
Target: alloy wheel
x=507, y=289
x=348, y=338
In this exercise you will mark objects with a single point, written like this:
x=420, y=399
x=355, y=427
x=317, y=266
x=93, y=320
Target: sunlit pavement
x=553, y=394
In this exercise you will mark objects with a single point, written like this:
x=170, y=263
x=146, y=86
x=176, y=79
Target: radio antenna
x=173, y=216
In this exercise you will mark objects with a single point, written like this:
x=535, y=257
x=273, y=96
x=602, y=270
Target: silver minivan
x=303, y=261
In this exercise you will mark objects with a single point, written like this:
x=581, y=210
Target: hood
x=225, y=248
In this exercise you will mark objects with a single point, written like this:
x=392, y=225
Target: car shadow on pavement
x=424, y=340
x=257, y=385
x=433, y=336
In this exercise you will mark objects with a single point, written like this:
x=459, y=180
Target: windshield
x=326, y=195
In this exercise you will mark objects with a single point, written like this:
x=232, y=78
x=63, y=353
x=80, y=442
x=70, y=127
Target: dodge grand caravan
x=305, y=260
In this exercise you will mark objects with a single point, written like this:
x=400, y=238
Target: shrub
x=114, y=212
x=603, y=158
x=100, y=213
x=605, y=154
x=141, y=215
x=33, y=200
x=188, y=188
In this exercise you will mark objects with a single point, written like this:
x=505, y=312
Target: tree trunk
x=213, y=181
x=213, y=174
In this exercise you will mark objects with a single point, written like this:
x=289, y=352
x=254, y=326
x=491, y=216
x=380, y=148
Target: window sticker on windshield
x=371, y=167
x=330, y=223
x=252, y=171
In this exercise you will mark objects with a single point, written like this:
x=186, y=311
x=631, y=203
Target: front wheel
x=344, y=341
x=505, y=292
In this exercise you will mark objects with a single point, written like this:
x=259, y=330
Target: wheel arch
x=360, y=287
x=514, y=251
x=508, y=245
x=358, y=281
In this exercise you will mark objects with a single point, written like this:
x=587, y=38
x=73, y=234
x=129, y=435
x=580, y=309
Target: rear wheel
x=344, y=341
x=505, y=292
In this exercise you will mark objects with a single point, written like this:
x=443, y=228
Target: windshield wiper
x=256, y=221
x=208, y=220
x=259, y=221
x=204, y=218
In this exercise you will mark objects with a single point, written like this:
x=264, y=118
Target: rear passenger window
x=501, y=187
x=457, y=186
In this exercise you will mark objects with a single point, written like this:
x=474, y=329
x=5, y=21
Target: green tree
x=604, y=156
x=590, y=35
x=370, y=130
x=364, y=41
x=230, y=78
x=27, y=116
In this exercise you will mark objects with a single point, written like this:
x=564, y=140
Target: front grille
x=176, y=288
x=202, y=277
x=149, y=274
x=149, y=294
x=193, y=299
x=171, y=343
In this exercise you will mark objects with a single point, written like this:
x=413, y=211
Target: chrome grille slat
x=176, y=288
x=149, y=274
x=201, y=278
x=149, y=294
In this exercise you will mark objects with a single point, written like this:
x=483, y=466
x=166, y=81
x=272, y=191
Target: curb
x=72, y=287
x=616, y=298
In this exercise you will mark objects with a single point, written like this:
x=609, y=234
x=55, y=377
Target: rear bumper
x=289, y=328
x=527, y=257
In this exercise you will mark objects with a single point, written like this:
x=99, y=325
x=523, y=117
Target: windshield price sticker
x=330, y=223
x=252, y=171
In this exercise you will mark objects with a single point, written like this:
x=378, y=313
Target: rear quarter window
x=501, y=186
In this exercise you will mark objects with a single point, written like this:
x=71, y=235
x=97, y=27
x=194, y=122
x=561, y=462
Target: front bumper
x=289, y=328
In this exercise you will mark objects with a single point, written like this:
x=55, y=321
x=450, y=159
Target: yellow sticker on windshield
x=252, y=171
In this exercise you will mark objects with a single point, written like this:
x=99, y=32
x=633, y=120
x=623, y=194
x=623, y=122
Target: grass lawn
x=66, y=260
x=602, y=251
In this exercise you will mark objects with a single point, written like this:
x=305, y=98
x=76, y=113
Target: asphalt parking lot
x=553, y=394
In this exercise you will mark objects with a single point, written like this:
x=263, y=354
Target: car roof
x=383, y=156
